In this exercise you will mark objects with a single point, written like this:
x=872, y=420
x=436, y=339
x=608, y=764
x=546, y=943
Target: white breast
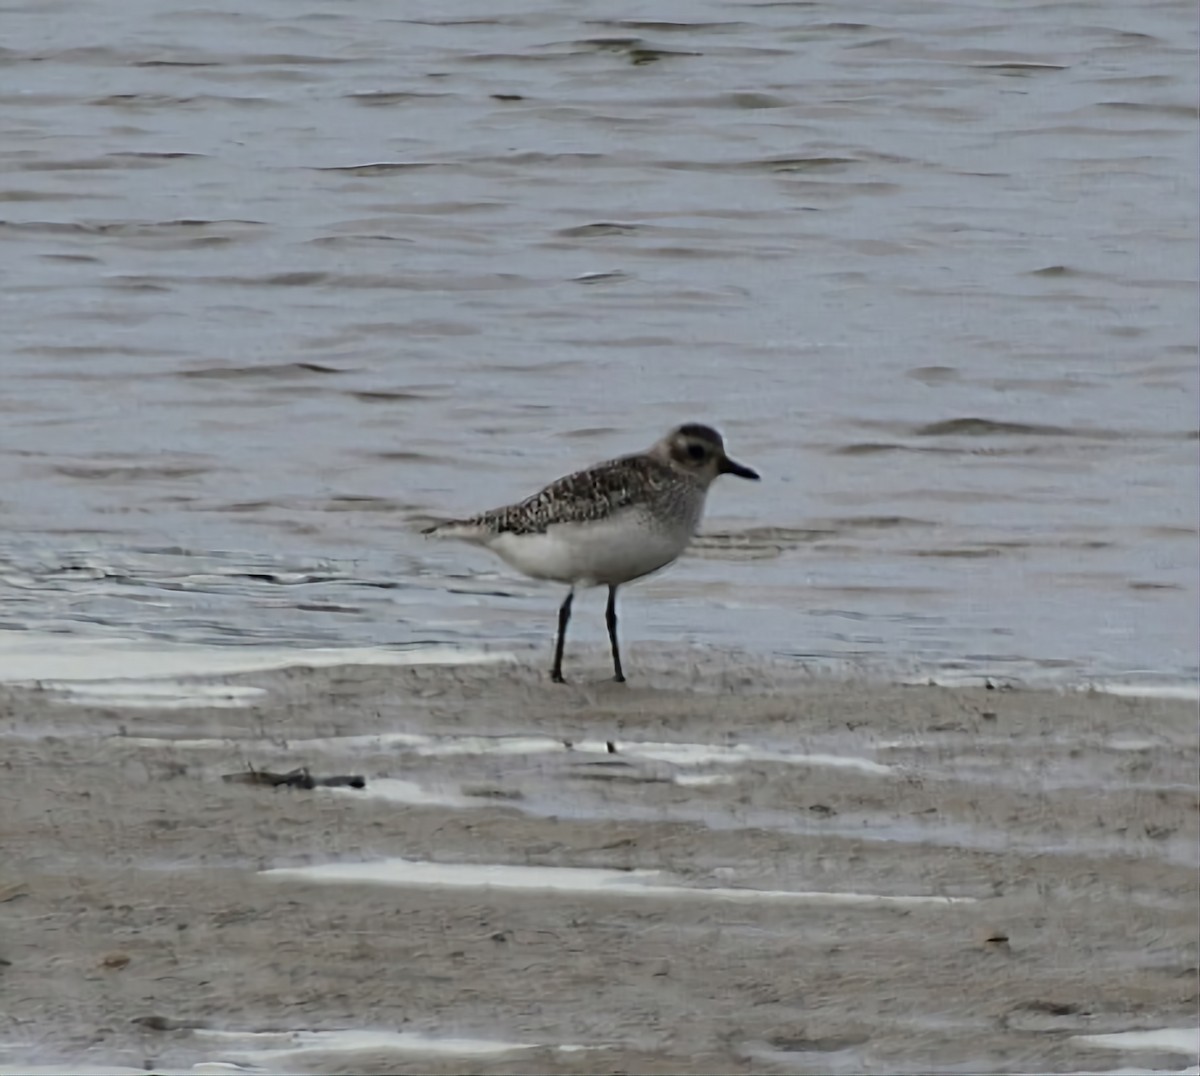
x=608, y=551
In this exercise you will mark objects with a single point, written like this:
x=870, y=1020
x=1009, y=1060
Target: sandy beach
x=719, y=867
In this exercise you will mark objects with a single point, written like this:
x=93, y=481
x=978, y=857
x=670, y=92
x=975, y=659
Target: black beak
x=729, y=466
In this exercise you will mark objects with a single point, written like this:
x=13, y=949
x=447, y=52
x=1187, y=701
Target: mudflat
x=722, y=866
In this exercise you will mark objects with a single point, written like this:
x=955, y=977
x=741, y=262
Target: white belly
x=608, y=552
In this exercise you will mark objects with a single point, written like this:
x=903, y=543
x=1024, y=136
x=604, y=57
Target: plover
x=607, y=525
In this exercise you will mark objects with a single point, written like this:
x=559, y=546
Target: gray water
x=283, y=280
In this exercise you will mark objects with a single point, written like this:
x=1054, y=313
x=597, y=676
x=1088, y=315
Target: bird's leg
x=564, y=615
x=610, y=618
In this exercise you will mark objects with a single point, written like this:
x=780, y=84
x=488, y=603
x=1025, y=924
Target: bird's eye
x=696, y=452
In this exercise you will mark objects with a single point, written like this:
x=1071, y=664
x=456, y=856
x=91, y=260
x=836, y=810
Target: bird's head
x=699, y=451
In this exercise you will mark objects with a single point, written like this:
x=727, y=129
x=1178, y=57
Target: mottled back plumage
x=589, y=496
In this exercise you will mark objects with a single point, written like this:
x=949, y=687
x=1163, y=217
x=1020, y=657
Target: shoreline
x=144, y=671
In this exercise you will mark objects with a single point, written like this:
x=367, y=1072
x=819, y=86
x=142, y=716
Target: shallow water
x=284, y=281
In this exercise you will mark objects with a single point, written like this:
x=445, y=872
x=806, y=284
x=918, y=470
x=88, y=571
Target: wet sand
x=1045, y=845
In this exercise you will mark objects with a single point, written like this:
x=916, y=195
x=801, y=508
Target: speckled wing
x=583, y=497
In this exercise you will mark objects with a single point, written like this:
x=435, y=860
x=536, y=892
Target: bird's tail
x=465, y=529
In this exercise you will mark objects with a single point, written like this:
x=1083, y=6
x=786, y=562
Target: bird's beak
x=729, y=466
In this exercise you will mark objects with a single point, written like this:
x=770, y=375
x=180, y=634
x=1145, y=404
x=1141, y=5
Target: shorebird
x=606, y=525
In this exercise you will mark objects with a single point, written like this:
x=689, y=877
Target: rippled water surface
x=283, y=280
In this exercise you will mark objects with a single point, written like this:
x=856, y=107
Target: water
x=282, y=281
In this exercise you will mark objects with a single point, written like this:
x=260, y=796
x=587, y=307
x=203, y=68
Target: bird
x=608, y=524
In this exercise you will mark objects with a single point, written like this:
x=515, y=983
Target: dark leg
x=564, y=615
x=610, y=618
